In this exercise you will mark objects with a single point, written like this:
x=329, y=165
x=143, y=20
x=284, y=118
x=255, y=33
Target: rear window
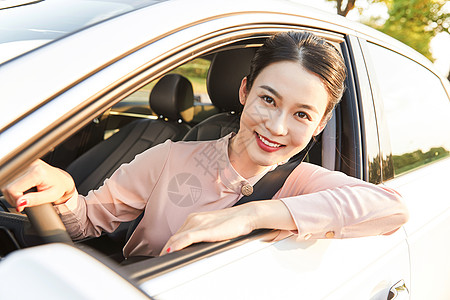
x=416, y=108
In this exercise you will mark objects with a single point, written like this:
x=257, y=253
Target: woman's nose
x=276, y=123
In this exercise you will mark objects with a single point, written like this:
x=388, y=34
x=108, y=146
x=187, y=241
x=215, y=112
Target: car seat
x=224, y=78
x=172, y=98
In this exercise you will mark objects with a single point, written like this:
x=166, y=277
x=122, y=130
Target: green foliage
x=409, y=161
x=415, y=22
x=343, y=10
x=404, y=163
x=198, y=68
x=196, y=71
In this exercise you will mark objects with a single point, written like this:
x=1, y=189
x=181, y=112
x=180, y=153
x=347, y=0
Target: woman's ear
x=243, y=91
x=319, y=128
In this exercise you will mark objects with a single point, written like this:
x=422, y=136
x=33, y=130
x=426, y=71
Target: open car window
x=137, y=105
x=135, y=108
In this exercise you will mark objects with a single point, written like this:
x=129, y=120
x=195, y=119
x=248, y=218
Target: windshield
x=31, y=24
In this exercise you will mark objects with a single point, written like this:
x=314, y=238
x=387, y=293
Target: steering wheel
x=48, y=224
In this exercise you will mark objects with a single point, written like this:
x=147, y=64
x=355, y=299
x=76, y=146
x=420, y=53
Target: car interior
x=167, y=108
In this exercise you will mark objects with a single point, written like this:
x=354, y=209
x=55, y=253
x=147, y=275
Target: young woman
x=295, y=81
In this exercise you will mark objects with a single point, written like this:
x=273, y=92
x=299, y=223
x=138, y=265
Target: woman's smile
x=266, y=144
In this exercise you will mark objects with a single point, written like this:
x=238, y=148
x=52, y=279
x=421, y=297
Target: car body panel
x=87, y=278
x=425, y=188
x=290, y=269
x=427, y=194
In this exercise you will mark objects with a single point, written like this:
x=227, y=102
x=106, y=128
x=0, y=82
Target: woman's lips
x=266, y=144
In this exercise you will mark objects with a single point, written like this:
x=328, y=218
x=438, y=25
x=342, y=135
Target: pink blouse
x=174, y=179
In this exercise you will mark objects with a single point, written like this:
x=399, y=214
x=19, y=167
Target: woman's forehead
x=292, y=81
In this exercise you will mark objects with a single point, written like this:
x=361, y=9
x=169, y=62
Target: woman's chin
x=267, y=161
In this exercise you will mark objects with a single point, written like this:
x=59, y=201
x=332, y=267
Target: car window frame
x=371, y=155
x=153, y=267
x=387, y=164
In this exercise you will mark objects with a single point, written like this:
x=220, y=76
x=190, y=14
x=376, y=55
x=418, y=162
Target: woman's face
x=282, y=111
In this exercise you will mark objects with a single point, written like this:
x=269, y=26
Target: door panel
x=362, y=268
x=427, y=194
x=414, y=108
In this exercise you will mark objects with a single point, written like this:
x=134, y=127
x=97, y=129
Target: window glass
x=137, y=104
x=195, y=70
x=416, y=108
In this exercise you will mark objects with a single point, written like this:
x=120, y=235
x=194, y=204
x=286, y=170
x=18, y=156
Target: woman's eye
x=268, y=99
x=302, y=115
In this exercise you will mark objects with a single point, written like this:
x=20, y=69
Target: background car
x=80, y=99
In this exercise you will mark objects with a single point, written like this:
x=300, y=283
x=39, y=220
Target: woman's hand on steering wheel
x=39, y=184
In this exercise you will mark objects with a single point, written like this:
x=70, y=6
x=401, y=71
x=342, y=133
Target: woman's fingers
x=211, y=227
x=36, y=198
x=184, y=239
x=16, y=189
x=51, y=185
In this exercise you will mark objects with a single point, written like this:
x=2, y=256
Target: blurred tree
x=343, y=10
x=414, y=22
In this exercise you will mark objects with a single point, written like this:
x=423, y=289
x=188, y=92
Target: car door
x=363, y=268
x=414, y=107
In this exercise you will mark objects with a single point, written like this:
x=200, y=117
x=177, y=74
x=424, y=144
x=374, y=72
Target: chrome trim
x=398, y=291
x=369, y=126
x=5, y=4
x=133, y=115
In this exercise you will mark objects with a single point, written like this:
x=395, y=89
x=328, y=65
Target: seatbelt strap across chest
x=272, y=182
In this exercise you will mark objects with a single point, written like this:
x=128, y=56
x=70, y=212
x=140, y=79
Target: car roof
x=27, y=25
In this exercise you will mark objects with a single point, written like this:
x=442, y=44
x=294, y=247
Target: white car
x=75, y=82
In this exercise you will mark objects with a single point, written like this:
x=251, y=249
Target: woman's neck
x=240, y=160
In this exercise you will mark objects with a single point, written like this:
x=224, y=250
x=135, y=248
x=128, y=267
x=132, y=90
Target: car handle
x=398, y=291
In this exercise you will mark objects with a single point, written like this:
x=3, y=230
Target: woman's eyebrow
x=274, y=92
x=270, y=89
x=308, y=107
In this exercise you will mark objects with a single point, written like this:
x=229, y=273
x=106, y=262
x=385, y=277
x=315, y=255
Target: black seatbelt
x=270, y=183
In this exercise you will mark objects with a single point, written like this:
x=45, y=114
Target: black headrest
x=225, y=75
x=173, y=98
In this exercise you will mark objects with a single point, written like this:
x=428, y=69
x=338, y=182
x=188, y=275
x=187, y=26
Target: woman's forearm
x=272, y=214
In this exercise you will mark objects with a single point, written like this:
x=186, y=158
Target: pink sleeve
x=121, y=198
x=333, y=205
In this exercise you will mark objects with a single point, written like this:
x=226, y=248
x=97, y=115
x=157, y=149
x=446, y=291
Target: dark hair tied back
x=312, y=52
